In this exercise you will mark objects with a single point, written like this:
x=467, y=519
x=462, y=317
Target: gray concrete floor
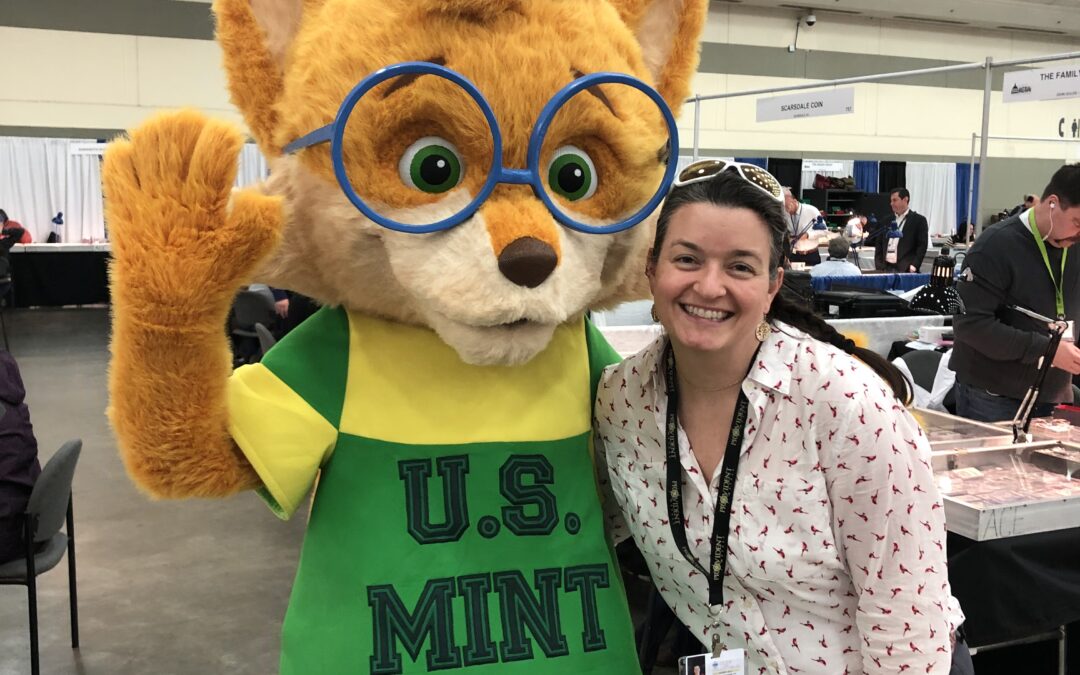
x=184, y=587
x=164, y=587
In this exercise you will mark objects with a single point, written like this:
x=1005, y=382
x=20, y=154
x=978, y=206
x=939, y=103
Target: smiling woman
x=766, y=466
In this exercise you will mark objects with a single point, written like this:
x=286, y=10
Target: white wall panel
x=86, y=116
x=168, y=80
x=66, y=67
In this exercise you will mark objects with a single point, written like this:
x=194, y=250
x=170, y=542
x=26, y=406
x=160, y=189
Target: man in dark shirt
x=19, y=466
x=1020, y=261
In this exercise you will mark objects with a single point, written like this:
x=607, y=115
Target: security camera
x=810, y=19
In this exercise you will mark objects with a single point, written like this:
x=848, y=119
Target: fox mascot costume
x=443, y=394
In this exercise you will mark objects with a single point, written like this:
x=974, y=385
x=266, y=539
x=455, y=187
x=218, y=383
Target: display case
x=948, y=432
x=993, y=488
x=1009, y=491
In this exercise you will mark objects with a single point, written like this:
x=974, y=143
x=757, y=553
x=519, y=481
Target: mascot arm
x=182, y=246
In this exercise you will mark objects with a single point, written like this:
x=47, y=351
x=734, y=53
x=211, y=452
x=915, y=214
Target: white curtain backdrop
x=253, y=167
x=84, y=215
x=933, y=194
x=848, y=170
x=40, y=177
x=33, y=181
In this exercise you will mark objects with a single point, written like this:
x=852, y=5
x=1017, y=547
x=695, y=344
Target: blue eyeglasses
x=435, y=165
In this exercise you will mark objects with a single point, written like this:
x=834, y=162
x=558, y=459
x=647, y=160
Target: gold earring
x=655, y=316
x=763, y=330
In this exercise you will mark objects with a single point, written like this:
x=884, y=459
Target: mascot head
x=475, y=191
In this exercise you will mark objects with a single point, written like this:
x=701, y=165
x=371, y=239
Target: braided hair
x=728, y=189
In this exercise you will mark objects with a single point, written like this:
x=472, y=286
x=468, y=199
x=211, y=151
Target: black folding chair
x=49, y=507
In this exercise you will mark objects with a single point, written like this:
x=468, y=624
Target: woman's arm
x=890, y=527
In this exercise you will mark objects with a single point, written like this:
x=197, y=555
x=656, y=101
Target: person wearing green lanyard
x=1022, y=261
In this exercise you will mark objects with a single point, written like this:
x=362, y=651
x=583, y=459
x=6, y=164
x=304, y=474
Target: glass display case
x=950, y=432
x=1011, y=490
x=993, y=488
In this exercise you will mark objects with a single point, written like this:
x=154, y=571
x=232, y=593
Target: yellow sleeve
x=282, y=436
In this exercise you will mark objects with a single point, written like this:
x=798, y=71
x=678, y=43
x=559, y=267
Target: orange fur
x=180, y=252
x=254, y=76
x=509, y=216
x=668, y=29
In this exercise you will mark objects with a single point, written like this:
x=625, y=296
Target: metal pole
x=984, y=140
x=847, y=80
x=1031, y=139
x=880, y=77
x=697, y=125
x=1037, y=59
x=1062, y=651
x=971, y=192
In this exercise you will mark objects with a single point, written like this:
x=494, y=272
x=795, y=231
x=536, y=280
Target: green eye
x=431, y=165
x=572, y=174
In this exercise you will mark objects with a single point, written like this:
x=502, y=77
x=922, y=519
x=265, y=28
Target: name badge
x=891, y=252
x=1069, y=334
x=729, y=662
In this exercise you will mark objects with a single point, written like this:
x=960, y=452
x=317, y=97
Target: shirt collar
x=903, y=216
x=771, y=369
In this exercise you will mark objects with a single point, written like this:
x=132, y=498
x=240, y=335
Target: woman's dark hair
x=731, y=190
x=3, y=216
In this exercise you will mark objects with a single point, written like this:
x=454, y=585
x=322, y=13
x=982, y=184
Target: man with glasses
x=803, y=218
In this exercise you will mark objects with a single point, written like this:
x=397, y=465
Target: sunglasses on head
x=707, y=169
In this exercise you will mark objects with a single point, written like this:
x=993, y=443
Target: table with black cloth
x=1016, y=587
x=52, y=275
x=877, y=282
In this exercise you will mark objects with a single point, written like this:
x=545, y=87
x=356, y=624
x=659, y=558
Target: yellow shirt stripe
x=406, y=385
x=283, y=437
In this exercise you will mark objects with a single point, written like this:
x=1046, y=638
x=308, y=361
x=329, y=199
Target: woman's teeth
x=710, y=314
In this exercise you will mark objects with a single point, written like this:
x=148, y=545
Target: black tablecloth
x=1016, y=587
x=54, y=279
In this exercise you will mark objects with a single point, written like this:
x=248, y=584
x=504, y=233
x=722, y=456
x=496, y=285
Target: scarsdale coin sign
x=1047, y=84
x=806, y=104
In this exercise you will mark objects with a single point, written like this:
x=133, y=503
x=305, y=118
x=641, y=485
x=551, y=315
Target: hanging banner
x=1047, y=84
x=806, y=104
x=86, y=148
x=822, y=165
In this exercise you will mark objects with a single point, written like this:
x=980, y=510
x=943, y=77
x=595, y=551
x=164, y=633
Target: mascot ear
x=668, y=32
x=255, y=36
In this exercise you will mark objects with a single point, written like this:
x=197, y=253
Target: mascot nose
x=527, y=261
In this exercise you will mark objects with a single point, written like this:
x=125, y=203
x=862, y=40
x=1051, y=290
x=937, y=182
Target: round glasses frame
x=334, y=133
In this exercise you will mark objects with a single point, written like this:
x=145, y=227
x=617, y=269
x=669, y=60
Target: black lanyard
x=729, y=471
x=796, y=218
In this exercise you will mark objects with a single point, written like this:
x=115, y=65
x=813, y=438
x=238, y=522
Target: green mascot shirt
x=456, y=524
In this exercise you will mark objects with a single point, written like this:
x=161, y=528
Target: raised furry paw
x=179, y=243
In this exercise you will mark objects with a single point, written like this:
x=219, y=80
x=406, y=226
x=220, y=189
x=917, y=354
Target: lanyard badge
x=1059, y=299
x=729, y=472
